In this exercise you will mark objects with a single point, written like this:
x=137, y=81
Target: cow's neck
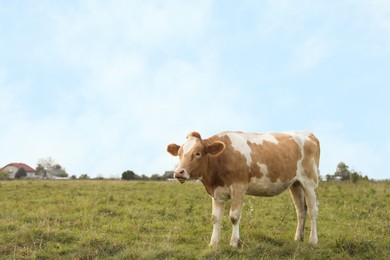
x=207, y=186
x=210, y=179
x=209, y=175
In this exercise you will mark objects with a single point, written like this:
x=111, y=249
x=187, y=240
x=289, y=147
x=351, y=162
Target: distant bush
x=156, y=177
x=21, y=173
x=84, y=177
x=4, y=175
x=130, y=175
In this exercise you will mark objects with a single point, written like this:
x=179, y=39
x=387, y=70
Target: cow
x=232, y=164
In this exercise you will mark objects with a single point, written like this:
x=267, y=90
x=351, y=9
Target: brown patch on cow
x=226, y=168
x=281, y=159
x=194, y=134
x=234, y=162
x=255, y=171
x=233, y=220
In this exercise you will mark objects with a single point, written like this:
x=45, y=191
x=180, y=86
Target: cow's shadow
x=258, y=245
x=261, y=238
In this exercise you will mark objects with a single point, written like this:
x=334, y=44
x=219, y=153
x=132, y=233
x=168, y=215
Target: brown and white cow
x=232, y=164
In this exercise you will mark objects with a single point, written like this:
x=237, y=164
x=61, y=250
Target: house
x=12, y=168
x=55, y=173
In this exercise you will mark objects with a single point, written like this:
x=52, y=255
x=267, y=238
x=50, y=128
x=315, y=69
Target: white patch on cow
x=300, y=138
x=217, y=212
x=235, y=214
x=315, y=166
x=265, y=187
x=260, y=138
x=263, y=168
x=187, y=146
x=240, y=142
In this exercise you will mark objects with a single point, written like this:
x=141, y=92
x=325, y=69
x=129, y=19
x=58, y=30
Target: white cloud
x=379, y=11
x=98, y=30
x=11, y=93
x=286, y=18
x=310, y=53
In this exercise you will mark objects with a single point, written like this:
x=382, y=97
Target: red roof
x=21, y=165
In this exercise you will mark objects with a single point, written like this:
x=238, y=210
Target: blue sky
x=103, y=86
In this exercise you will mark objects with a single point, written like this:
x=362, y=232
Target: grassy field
x=165, y=220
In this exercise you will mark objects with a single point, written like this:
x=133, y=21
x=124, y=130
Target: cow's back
x=265, y=159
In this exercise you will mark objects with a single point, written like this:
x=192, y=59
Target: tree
x=354, y=177
x=47, y=167
x=130, y=175
x=21, y=173
x=84, y=177
x=155, y=177
x=343, y=172
x=40, y=169
x=57, y=167
x=144, y=177
x=46, y=163
x=62, y=174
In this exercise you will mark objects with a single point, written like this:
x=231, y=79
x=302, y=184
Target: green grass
x=165, y=220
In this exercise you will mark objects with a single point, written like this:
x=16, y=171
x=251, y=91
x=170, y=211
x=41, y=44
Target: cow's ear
x=173, y=149
x=216, y=148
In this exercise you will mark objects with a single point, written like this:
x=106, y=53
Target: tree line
x=343, y=173
x=130, y=175
x=47, y=167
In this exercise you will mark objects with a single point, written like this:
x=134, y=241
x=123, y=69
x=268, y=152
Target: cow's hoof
x=313, y=241
x=213, y=245
x=234, y=243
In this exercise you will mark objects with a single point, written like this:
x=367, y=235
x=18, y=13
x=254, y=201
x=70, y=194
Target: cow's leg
x=217, y=214
x=235, y=214
x=298, y=198
x=312, y=205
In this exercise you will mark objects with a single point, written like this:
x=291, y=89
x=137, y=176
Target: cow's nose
x=179, y=173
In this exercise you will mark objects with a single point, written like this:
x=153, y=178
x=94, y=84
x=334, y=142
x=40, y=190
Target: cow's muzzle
x=181, y=175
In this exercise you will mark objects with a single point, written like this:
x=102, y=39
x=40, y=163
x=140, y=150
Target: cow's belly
x=265, y=187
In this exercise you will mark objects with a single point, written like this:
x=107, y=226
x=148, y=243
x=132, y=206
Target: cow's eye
x=198, y=154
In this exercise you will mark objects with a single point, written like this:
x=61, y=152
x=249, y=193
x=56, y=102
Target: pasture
x=167, y=220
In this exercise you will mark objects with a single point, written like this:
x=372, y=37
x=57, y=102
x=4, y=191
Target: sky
x=104, y=86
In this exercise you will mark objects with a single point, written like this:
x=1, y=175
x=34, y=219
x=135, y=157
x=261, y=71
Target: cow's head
x=193, y=156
